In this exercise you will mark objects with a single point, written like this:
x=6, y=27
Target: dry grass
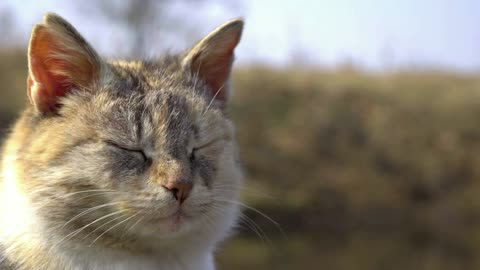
x=366, y=171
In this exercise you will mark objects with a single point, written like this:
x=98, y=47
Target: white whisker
x=99, y=227
x=131, y=227
x=195, y=80
x=90, y=190
x=213, y=99
x=258, y=212
x=252, y=225
x=72, y=234
x=89, y=210
x=111, y=228
x=99, y=194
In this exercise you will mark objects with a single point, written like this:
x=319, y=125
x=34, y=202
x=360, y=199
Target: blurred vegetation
x=364, y=171
x=361, y=171
x=13, y=86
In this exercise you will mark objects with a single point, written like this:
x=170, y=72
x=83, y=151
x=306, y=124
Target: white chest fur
x=103, y=261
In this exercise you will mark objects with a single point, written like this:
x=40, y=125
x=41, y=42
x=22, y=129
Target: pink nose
x=180, y=188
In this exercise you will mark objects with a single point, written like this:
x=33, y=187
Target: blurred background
x=358, y=120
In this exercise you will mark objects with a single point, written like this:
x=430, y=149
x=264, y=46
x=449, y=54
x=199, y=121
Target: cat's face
x=122, y=151
x=142, y=151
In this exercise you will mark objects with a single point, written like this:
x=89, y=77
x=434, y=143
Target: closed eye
x=208, y=144
x=138, y=152
x=200, y=147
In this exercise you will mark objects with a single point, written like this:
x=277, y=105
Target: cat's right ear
x=59, y=61
x=212, y=57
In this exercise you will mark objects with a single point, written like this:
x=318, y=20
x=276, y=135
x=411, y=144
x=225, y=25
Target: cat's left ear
x=211, y=58
x=59, y=61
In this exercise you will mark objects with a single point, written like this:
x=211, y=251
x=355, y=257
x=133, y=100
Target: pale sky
x=375, y=34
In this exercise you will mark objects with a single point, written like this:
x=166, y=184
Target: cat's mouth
x=178, y=218
x=174, y=220
x=166, y=218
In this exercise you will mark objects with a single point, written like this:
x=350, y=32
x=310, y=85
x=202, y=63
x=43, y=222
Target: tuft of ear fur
x=212, y=57
x=59, y=61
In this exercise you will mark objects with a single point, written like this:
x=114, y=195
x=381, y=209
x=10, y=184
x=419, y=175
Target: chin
x=210, y=227
x=170, y=227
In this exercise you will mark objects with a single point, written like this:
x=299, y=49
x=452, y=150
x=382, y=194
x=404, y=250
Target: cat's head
x=127, y=150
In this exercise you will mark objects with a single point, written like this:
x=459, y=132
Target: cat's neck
x=105, y=259
x=36, y=254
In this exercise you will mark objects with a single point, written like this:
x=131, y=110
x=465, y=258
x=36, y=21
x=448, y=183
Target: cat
x=120, y=164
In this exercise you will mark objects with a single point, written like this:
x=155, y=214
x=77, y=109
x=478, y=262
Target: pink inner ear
x=215, y=70
x=218, y=78
x=212, y=58
x=48, y=77
x=44, y=88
